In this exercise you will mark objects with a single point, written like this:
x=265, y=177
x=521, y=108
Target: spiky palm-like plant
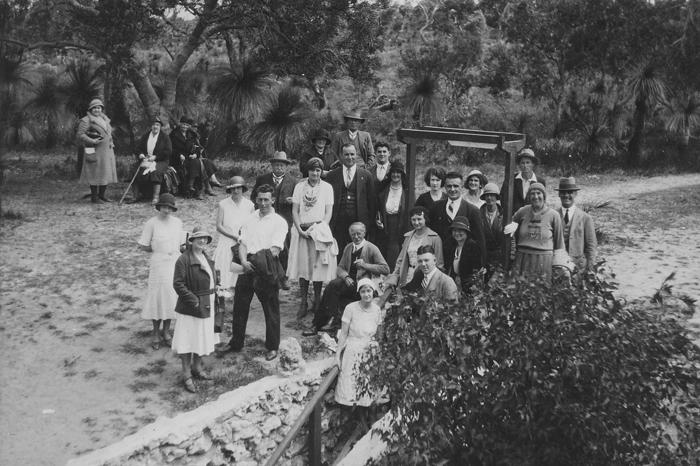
x=648, y=89
x=424, y=99
x=284, y=123
x=47, y=103
x=82, y=82
x=683, y=115
x=240, y=93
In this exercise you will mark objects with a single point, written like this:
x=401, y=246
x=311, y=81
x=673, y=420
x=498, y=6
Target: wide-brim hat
x=367, y=282
x=236, y=182
x=313, y=163
x=354, y=115
x=460, y=223
x=527, y=152
x=95, y=103
x=156, y=119
x=567, y=184
x=199, y=232
x=167, y=200
x=491, y=188
x=321, y=134
x=280, y=156
x=482, y=178
x=187, y=121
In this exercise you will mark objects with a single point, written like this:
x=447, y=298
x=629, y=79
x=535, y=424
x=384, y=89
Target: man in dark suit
x=154, y=151
x=354, y=193
x=185, y=158
x=428, y=279
x=526, y=160
x=380, y=171
x=283, y=183
x=352, y=135
x=443, y=212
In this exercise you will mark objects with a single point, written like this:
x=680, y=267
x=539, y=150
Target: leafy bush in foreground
x=529, y=375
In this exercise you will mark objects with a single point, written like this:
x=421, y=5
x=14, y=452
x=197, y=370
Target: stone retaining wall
x=243, y=426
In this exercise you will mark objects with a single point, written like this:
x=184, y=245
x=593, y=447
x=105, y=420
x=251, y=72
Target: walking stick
x=128, y=187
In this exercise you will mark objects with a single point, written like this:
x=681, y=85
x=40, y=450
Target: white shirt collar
x=351, y=170
x=533, y=178
x=352, y=135
x=430, y=275
x=355, y=247
x=571, y=210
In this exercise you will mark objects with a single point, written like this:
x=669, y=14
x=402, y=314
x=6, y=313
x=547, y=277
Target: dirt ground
x=78, y=372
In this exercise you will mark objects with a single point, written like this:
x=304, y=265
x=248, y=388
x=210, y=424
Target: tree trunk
x=149, y=98
x=634, y=148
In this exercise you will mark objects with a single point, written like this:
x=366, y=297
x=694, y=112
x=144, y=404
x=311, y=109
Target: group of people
x=166, y=163
x=346, y=232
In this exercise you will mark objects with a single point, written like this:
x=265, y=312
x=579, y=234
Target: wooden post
x=315, y=436
x=507, y=203
x=411, y=172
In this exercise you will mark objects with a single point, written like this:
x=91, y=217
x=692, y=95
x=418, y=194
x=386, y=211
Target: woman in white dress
x=360, y=322
x=232, y=213
x=195, y=284
x=312, y=203
x=162, y=236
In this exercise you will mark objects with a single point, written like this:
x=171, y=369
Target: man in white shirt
x=264, y=230
x=526, y=160
x=579, y=231
x=381, y=170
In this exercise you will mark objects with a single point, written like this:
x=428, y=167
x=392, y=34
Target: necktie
x=277, y=181
x=348, y=180
x=425, y=283
x=566, y=216
x=380, y=171
x=450, y=207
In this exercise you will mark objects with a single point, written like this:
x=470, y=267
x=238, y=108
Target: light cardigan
x=375, y=264
x=398, y=277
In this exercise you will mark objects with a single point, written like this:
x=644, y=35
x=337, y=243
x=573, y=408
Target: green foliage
x=523, y=373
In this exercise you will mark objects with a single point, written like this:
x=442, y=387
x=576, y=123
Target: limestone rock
x=270, y=424
x=200, y=446
x=237, y=450
x=290, y=360
x=172, y=453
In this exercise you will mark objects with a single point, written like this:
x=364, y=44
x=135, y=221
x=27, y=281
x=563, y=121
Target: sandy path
x=71, y=290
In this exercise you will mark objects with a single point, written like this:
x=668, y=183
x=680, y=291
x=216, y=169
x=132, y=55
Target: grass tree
x=47, y=103
x=682, y=116
x=648, y=90
x=424, y=99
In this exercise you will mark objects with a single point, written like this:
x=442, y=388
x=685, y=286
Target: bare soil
x=78, y=372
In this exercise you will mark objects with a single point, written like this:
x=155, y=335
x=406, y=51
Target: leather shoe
x=271, y=355
x=189, y=386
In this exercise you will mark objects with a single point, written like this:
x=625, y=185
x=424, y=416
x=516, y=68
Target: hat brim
x=534, y=158
x=95, y=106
x=328, y=140
x=172, y=206
x=233, y=186
x=482, y=179
x=354, y=117
x=483, y=195
x=286, y=161
x=568, y=188
x=459, y=226
x=192, y=238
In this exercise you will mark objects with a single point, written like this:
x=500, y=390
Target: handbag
x=90, y=154
x=235, y=249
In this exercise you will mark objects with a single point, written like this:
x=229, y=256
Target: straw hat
x=199, y=232
x=491, y=188
x=478, y=174
x=236, y=181
x=167, y=200
x=354, y=115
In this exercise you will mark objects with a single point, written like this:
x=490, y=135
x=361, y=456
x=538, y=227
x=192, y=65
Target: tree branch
x=59, y=44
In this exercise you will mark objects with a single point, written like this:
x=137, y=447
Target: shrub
x=527, y=374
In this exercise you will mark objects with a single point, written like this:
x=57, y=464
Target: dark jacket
x=282, y=192
x=440, y=223
x=518, y=198
x=192, y=285
x=365, y=192
x=403, y=207
x=163, y=149
x=470, y=261
x=181, y=145
x=328, y=158
x=267, y=267
x=493, y=234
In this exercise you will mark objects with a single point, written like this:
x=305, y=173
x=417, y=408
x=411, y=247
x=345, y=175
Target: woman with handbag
x=99, y=165
x=195, y=285
x=232, y=213
x=162, y=236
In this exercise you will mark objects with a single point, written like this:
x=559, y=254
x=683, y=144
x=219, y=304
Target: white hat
x=368, y=282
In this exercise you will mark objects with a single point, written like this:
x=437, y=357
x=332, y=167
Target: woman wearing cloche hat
x=162, y=236
x=195, y=283
x=99, y=165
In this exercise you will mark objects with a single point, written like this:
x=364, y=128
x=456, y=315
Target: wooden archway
x=508, y=144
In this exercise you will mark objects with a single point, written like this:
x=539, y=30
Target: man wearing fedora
x=321, y=148
x=187, y=162
x=526, y=160
x=579, y=231
x=352, y=135
x=154, y=150
x=283, y=183
x=354, y=195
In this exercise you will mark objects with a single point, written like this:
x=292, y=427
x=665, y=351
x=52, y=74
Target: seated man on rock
x=360, y=259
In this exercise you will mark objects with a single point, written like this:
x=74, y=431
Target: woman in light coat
x=99, y=165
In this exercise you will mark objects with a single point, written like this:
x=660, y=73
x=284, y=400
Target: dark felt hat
x=314, y=163
x=321, y=134
x=567, y=184
x=167, y=200
x=280, y=156
x=186, y=120
x=529, y=153
x=354, y=115
x=460, y=223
